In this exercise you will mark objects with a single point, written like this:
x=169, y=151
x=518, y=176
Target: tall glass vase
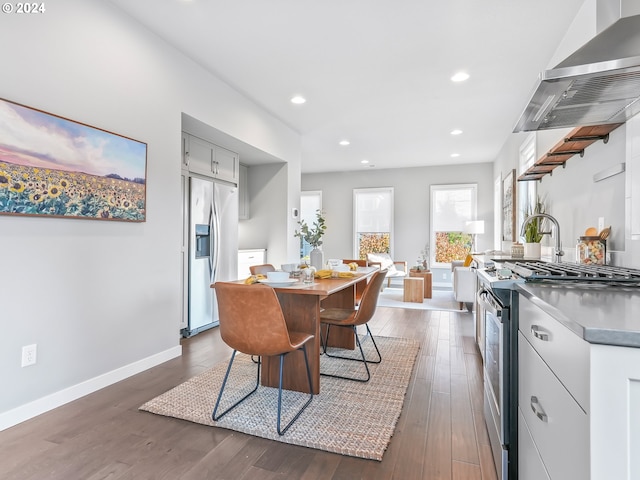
x=316, y=257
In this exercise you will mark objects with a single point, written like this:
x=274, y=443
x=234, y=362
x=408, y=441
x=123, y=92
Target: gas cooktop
x=538, y=271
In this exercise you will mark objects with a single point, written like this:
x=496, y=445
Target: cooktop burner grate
x=538, y=271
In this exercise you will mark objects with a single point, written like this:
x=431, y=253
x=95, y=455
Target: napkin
x=254, y=279
x=331, y=273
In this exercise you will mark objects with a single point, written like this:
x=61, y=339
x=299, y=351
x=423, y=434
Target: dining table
x=301, y=306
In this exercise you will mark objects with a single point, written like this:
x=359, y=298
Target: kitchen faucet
x=558, y=248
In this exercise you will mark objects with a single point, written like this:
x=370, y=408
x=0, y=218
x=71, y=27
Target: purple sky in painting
x=37, y=139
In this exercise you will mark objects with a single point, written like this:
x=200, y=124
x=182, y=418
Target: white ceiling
x=376, y=72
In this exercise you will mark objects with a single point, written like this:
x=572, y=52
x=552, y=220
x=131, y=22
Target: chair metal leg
x=224, y=383
x=364, y=359
x=282, y=431
x=324, y=345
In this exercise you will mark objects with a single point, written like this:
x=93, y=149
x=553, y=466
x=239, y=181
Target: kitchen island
x=579, y=382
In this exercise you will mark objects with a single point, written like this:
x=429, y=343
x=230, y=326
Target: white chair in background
x=464, y=283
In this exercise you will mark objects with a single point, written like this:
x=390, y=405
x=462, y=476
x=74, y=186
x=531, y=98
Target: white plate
x=279, y=284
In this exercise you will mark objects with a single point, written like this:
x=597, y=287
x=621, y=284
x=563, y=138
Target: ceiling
x=375, y=72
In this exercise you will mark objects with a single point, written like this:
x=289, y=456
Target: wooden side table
x=427, y=279
x=413, y=288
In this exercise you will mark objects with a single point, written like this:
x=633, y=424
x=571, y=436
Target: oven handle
x=486, y=301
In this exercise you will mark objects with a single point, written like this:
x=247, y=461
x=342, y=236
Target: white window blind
x=453, y=206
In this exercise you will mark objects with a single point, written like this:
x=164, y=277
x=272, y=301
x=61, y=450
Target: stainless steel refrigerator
x=213, y=248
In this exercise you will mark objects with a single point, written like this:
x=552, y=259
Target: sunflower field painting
x=52, y=166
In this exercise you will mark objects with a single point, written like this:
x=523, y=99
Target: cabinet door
x=225, y=165
x=185, y=151
x=530, y=466
x=200, y=156
x=558, y=426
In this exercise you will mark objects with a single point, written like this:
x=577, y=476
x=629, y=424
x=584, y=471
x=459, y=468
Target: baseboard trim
x=54, y=400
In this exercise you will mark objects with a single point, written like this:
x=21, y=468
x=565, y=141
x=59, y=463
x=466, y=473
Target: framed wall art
x=55, y=167
x=509, y=207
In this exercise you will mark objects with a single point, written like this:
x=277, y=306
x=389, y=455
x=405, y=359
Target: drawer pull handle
x=538, y=333
x=537, y=409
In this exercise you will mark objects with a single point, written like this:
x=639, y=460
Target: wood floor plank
x=440, y=434
x=464, y=444
x=437, y=457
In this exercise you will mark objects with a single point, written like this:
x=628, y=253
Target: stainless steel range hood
x=598, y=84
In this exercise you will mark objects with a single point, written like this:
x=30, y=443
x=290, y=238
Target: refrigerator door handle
x=214, y=224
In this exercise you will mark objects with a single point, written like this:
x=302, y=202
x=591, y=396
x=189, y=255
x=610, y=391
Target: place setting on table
x=300, y=275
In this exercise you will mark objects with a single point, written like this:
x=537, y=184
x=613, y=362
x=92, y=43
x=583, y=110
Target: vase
x=316, y=257
x=532, y=250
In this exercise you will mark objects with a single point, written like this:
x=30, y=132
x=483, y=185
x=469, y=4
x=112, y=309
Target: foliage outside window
x=373, y=243
x=452, y=246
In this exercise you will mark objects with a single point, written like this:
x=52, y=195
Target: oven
x=498, y=371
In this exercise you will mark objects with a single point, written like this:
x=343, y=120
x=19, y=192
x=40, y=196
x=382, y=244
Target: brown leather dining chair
x=261, y=269
x=348, y=318
x=252, y=322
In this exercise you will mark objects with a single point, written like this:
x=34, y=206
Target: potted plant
x=533, y=230
x=313, y=236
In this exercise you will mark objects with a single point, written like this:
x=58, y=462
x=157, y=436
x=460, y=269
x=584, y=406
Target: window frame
x=356, y=191
x=473, y=215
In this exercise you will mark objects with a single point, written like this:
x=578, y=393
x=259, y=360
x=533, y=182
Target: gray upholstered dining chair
x=252, y=322
x=349, y=318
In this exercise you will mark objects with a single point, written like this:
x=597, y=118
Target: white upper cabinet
x=205, y=158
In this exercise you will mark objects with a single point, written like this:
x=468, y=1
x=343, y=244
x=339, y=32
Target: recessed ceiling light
x=364, y=162
x=454, y=155
x=345, y=142
x=456, y=132
x=298, y=100
x=460, y=77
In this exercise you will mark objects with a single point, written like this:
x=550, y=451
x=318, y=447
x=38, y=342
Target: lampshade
x=474, y=227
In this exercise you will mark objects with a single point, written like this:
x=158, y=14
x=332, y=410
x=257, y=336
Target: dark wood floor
x=440, y=435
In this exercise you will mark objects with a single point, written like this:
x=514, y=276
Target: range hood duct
x=598, y=84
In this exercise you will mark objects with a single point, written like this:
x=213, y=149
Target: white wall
x=571, y=193
x=412, y=204
x=102, y=299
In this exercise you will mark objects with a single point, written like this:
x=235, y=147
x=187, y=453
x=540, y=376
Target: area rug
x=349, y=418
x=441, y=300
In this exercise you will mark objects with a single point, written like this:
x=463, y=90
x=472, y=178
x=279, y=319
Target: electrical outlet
x=444, y=276
x=29, y=353
x=600, y=224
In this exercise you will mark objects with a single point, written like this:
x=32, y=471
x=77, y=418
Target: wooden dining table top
x=323, y=286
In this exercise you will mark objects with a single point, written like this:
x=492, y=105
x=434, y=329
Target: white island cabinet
x=579, y=402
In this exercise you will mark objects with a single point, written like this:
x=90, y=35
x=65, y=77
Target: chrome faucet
x=558, y=248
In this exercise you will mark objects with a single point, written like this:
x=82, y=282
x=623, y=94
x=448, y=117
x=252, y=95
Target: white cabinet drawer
x=565, y=352
x=558, y=426
x=530, y=466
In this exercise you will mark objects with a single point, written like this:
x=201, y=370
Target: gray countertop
x=609, y=316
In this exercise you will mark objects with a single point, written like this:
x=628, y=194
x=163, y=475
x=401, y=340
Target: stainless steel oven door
x=494, y=378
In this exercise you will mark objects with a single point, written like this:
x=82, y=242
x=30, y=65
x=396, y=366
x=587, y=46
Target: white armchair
x=395, y=268
x=464, y=283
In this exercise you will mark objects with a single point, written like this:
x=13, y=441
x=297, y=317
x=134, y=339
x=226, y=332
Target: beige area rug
x=441, y=300
x=349, y=418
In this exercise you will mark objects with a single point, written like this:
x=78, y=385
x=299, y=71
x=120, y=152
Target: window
x=527, y=191
x=497, y=213
x=310, y=203
x=452, y=206
x=373, y=220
